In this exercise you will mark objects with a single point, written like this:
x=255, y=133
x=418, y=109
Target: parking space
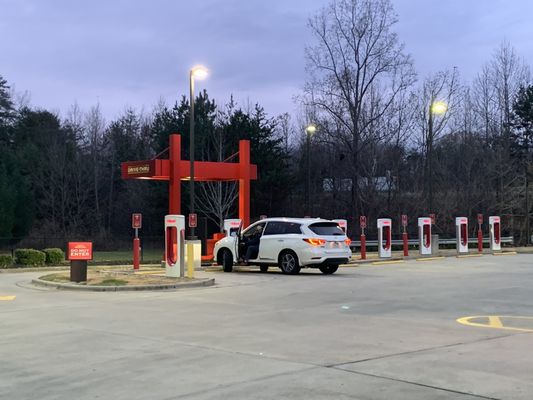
x=414, y=330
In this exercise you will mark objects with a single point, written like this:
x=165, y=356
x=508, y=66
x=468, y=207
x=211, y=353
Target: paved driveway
x=371, y=332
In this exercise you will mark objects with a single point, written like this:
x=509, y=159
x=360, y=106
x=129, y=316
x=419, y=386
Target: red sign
x=433, y=218
x=480, y=219
x=80, y=251
x=136, y=221
x=362, y=221
x=404, y=220
x=193, y=221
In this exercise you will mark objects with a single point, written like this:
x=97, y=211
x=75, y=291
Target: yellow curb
x=468, y=255
x=349, y=265
x=7, y=298
x=505, y=253
x=430, y=258
x=387, y=262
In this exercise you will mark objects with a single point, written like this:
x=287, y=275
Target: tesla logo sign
x=362, y=221
x=404, y=220
x=480, y=219
x=193, y=221
x=136, y=221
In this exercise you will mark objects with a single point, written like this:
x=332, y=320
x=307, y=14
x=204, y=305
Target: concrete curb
x=72, y=286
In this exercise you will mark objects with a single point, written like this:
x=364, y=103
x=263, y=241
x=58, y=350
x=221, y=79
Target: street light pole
x=200, y=73
x=308, y=132
x=435, y=108
x=430, y=157
x=191, y=151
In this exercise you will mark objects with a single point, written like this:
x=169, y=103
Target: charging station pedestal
x=424, y=236
x=385, y=237
x=175, y=246
x=231, y=226
x=495, y=233
x=343, y=224
x=461, y=229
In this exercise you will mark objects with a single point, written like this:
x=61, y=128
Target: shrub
x=6, y=261
x=30, y=257
x=54, y=256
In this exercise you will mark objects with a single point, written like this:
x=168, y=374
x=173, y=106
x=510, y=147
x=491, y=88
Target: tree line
x=387, y=142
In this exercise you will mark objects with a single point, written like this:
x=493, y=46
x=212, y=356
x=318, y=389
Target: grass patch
x=108, y=278
x=60, y=278
x=110, y=282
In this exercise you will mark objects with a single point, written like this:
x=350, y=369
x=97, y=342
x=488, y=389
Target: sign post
x=480, y=233
x=136, y=223
x=78, y=254
x=404, y=236
x=362, y=224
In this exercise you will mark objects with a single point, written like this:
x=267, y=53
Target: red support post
x=174, y=187
x=480, y=240
x=363, y=247
x=136, y=253
x=405, y=244
x=244, y=182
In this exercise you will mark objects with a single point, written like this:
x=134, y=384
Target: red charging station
x=424, y=235
x=495, y=233
x=461, y=229
x=384, y=237
x=175, y=245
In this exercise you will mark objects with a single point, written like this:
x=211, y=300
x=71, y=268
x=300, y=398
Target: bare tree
x=95, y=125
x=216, y=199
x=356, y=70
x=438, y=100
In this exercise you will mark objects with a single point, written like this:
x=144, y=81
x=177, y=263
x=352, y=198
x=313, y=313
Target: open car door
x=237, y=243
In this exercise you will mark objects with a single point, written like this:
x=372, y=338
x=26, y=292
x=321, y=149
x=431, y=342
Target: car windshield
x=326, y=229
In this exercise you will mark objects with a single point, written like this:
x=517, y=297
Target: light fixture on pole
x=198, y=72
x=309, y=131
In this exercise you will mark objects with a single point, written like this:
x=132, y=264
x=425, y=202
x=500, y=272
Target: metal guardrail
x=413, y=242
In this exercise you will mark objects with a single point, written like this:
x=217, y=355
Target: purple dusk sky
x=132, y=53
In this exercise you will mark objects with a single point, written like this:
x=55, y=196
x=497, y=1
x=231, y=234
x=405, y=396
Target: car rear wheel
x=227, y=260
x=264, y=268
x=329, y=269
x=288, y=263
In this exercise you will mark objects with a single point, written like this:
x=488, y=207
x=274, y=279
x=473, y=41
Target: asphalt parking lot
x=369, y=332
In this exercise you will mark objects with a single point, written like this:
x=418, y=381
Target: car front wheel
x=288, y=263
x=329, y=269
x=227, y=261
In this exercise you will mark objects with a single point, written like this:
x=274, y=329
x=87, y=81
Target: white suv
x=290, y=243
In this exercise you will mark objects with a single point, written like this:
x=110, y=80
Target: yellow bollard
x=190, y=260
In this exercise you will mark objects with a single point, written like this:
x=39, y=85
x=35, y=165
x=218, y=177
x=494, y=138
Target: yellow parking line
x=494, y=321
x=505, y=253
x=430, y=258
x=7, y=298
x=387, y=262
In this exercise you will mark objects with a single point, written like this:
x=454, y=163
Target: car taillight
x=315, y=242
x=348, y=241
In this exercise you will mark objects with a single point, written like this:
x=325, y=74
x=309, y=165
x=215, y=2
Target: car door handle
x=280, y=240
